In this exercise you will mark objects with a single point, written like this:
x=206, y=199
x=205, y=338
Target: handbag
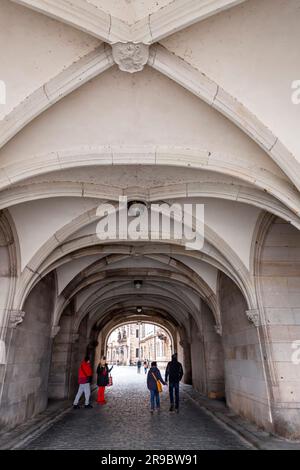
x=158, y=384
x=110, y=381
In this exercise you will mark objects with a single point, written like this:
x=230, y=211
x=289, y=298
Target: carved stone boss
x=130, y=57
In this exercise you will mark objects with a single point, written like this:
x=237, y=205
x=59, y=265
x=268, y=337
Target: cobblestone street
x=126, y=423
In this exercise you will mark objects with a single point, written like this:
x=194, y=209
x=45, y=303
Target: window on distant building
x=137, y=352
x=137, y=333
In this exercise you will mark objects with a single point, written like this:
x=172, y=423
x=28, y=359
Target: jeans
x=154, y=397
x=174, y=387
x=86, y=389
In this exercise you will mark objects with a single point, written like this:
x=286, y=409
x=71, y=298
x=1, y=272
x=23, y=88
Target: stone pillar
x=13, y=319
x=61, y=357
x=187, y=361
x=80, y=342
x=245, y=382
x=6, y=281
x=74, y=365
x=25, y=387
x=214, y=354
x=278, y=281
x=207, y=355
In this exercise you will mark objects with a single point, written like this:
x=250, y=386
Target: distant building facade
x=129, y=343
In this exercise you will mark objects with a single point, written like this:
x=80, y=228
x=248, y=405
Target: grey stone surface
x=260, y=439
x=126, y=423
x=25, y=391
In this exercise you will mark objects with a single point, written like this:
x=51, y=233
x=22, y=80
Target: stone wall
x=79, y=350
x=4, y=290
x=214, y=354
x=245, y=385
x=25, y=392
x=59, y=380
x=280, y=292
x=198, y=359
x=207, y=356
x=69, y=349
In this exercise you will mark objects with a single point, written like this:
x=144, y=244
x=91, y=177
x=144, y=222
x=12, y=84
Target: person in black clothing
x=174, y=374
x=102, y=379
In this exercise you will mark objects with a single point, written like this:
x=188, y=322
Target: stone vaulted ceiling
x=182, y=101
x=155, y=100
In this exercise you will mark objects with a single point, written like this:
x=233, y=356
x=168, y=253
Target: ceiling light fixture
x=138, y=284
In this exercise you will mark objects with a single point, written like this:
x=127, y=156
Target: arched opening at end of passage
x=138, y=342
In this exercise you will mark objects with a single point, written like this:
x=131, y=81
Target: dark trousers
x=174, y=386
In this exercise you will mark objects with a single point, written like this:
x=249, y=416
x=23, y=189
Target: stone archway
x=136, y=345
x=277, y=276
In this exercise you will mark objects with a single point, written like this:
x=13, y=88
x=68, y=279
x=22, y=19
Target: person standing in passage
x=146, y=365
x=154, y=381
x=174, y=373
x=139, y=365
x=85, y=375
x=102, y=380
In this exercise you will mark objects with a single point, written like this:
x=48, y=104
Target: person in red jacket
x=85, y=375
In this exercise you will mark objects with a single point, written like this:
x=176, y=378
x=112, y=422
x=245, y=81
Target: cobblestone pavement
x=126, y=423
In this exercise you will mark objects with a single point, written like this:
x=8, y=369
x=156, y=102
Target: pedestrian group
x=155, y=382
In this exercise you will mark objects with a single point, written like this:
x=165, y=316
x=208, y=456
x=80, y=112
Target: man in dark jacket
x=174, y=373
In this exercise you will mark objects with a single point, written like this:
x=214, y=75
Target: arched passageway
x=219, y=335
x=180, y=130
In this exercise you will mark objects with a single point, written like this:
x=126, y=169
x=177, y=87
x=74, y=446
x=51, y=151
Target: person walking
x=146, y=365
x=139, y=365
x=85, y=375
x=102, y=379
x=174, y=374
x=154, y=381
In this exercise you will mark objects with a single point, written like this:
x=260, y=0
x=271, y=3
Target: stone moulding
x=83, y=15
x=174, y=68
x=79, y=13
x=236, y=192
x=181, y=14
x=51, y=257
x=130, y=57
x=218, y=329
x=74, y=338
x=253, y=317
x=91, y=276
x=173, y=17
x=150, y=155
x=54, y=331
x=68, y=80
x=16, y=317
x=199, y=84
